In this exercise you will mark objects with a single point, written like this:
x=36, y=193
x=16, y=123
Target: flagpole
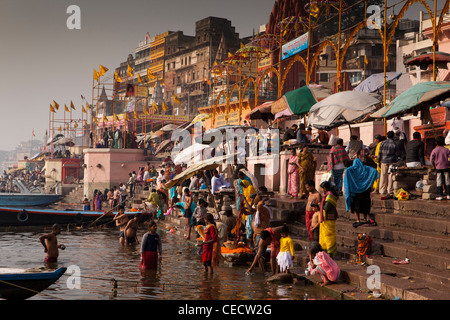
x=94, y=132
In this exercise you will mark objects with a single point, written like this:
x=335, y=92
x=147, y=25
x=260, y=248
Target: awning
x=208, y=164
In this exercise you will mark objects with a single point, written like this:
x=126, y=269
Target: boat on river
x=20, y=284
x=11, y=216
x=27, y=197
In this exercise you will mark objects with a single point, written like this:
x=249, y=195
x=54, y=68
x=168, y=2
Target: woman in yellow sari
x=307, y=169
x=328, y=216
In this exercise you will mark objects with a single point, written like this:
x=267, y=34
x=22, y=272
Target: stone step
x=415, y=238
x=399, y=284
x=423, y=256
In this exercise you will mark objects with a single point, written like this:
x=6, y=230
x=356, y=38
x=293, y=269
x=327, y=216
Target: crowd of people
x=354, y=171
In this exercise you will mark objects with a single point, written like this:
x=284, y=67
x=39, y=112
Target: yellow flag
x=105, y=118
x=125, y=116
x=52, y=109
x=139, y=79
x=75, y=125
x=103, y=70
x=144, y=110
x=65, y=108
x=155, y=106
x=175, y=99
x=55, y=105
x=242, y=45
x=83, y=109
x=314, y=10
x=164, y=106
x=95, y=120
x=87, y=106
x=117, y=78
x=229, y=54
x=115, y=118
x=59, y=129
x=150, y=74
x=365, y=60
x=135, y=115
x=72, y=106
x=96, y=75
x=129, y=71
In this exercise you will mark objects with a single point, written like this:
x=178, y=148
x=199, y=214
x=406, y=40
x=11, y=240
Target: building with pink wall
x=105, y=168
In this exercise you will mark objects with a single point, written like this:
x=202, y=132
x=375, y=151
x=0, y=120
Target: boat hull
x=20, y=286
x=28, y=200
x=43, y=217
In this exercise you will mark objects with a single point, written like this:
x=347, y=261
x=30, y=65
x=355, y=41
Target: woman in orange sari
x=306, y=169
x=211, y=245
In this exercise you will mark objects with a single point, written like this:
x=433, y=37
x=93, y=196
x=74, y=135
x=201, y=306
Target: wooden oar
x=104, y=214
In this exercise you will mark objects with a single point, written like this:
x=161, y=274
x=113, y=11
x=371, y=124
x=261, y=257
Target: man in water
x=121, y=221
x=50, y=244
x=130, y=231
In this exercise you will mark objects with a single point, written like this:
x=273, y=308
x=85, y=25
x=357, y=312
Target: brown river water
x=99, y=258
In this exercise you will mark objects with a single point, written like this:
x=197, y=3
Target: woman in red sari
x=293, y=176
x=211, y=245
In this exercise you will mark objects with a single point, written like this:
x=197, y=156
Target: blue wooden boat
x=25, y=197
x=11, y=216
x=18, y=284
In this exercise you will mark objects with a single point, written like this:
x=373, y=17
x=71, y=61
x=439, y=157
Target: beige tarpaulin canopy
x=208, y=164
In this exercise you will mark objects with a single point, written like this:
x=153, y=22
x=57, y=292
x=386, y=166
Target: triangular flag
x=95, y=120
x=52, y=109
x=175, y=99
x=59, y=129
x=155, y=106
x=96, y=75
x=242, y=45
x=115, y=118
x=365, y=60
x=83, y=109
x=150, y=74
x=87, y=106
x=129, y=71
x=65, y=108
x=164, y=106
x=72, y=106
x=117, y=78
x=102, y=70
x=55, y=105
x=75, y=125
x=314, y=10
x=125, y=116
x=139, y=79
x=144, y=110
x=135, y=115
x=229, y=54
x=105, y=118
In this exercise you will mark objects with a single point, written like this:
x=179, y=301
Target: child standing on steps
x=286, y=255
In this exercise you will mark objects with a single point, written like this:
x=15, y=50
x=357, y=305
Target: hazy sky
x=41, y=60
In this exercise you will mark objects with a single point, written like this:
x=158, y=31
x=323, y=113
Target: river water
x=99, y=258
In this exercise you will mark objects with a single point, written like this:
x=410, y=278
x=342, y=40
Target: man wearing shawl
x=336, y=161
x=358, y=182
